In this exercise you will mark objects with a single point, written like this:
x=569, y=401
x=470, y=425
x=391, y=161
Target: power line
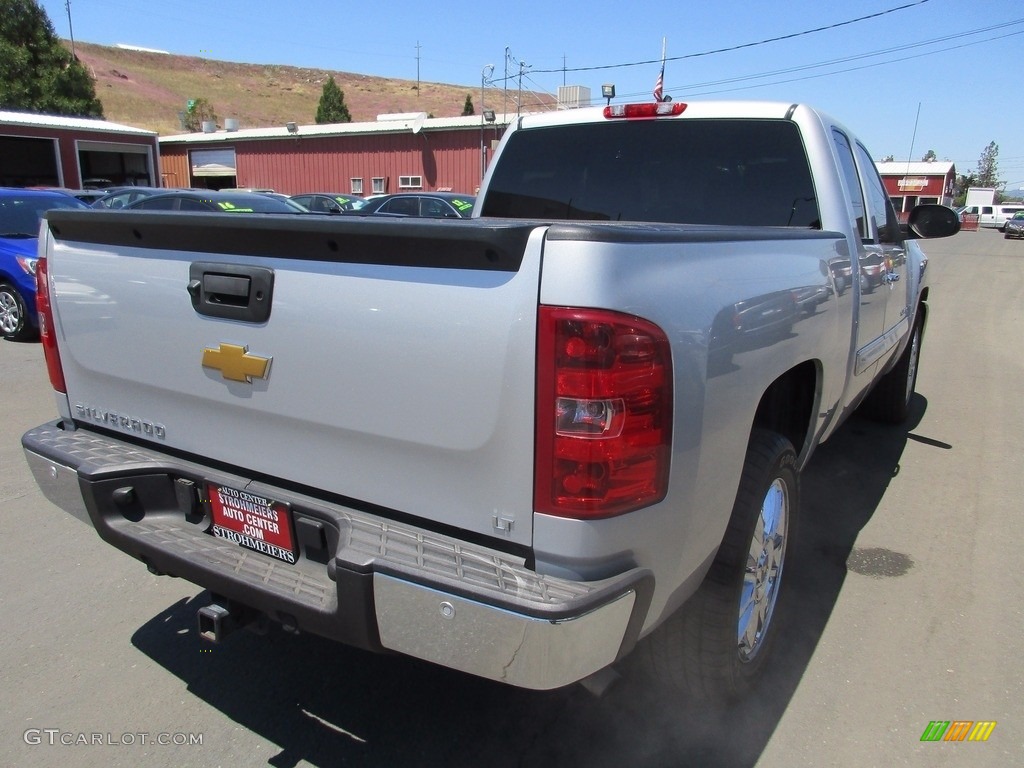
x=901, y=59
x=870, y=54
x=742, y=45
x=901, y=49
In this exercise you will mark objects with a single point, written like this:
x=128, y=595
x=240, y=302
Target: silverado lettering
x=120, y=421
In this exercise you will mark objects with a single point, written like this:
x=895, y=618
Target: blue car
x=20, y=212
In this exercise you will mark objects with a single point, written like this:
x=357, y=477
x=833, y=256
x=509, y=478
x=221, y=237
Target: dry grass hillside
x=148, y=90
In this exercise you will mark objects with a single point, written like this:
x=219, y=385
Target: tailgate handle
x=231, y=291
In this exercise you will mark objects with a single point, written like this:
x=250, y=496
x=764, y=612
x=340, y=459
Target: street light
x=485, y=73
x=608, y=92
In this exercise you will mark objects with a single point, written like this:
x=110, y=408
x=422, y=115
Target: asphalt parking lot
x=908, y=592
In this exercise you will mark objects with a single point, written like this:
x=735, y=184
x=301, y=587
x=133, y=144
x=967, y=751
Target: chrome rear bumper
x=360, y=578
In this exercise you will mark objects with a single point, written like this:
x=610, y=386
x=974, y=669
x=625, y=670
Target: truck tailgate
x=394, y=367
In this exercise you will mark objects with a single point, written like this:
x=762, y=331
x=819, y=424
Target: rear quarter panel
x=695, y=285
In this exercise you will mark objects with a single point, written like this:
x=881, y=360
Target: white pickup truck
x=513, y=445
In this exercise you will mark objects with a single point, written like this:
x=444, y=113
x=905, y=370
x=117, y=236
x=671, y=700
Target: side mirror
x=931, y=221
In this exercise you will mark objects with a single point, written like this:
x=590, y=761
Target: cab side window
x=883, y=225
x=848, y=166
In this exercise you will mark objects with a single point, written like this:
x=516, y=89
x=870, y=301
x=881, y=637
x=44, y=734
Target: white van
x=993, y=215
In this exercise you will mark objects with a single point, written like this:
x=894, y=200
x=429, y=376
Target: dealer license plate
x=252, y=521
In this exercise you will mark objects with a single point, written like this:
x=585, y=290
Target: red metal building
x=75, y=152
x=395, y=153
x=910, y=184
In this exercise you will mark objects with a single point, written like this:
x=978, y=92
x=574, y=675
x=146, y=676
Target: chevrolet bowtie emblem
x=235, y=363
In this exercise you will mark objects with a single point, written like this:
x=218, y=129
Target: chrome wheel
x=763, y=572
x=719, y=644
x=10, y=313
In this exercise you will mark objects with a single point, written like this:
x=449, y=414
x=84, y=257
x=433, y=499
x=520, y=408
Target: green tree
x=963, y=183
x=467, y=108
x=199, y=111
x=37, y=73
x=929, y=156
x=332, y=107
x=988, y=167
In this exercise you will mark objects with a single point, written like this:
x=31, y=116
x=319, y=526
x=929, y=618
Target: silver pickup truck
x=514, y=445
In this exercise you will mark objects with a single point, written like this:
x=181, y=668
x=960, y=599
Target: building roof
x=33, y=120
x=397, y=123
x=903, y=168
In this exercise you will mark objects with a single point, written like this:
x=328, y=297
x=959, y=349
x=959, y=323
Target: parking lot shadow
x=329, y=705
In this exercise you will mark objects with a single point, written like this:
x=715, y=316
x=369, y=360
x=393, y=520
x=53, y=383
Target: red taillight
x=646, y=109
x=604, y=413
x=47, y=331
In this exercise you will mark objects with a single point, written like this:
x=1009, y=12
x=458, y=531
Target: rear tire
x=889, y=401
x=717, y=646
x=14, y=320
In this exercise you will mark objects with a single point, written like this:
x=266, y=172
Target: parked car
x=872, y=270
x=278, y=195
x=119, y=197
x=329, y=202
x=85, y=195
x=435, y=205
x=20, y=212
x=842, y=272
x=209, y=200
x=1014, y=227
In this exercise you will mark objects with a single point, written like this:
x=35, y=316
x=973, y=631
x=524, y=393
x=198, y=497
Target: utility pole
x=486, y=72
x=71, y=31
x=504, y=105
x=418, y=69
x=519, y=103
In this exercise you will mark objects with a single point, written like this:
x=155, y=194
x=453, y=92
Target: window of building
x=410, y=182
x=29, y=162
x=379, y=185
x=357, y=186
x=213, y=168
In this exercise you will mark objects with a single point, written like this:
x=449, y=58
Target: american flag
x=659, y=84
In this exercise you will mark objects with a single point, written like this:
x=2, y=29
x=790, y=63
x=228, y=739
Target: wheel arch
x=788, y=405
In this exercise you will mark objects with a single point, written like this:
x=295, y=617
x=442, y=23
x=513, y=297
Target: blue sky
x=950, y=69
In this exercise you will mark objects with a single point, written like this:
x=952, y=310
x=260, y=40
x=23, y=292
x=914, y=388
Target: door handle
x=231, y=291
